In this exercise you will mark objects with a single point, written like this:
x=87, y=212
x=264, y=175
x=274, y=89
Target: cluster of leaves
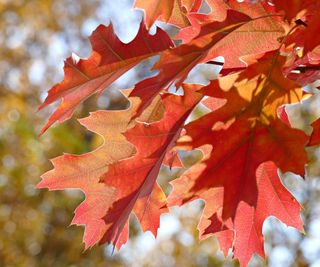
x=270, y=51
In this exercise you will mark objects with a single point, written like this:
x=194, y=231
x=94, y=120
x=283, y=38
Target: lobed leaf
x=269, y=51
x=171, y=11
x=214, y=39
x=120, y=176
x=238, y=179
x=109, y=60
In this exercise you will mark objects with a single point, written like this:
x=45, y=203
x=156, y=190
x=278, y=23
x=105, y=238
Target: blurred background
x=36, y=36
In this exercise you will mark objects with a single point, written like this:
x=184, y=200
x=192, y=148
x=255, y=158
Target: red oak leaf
x=306, y=30
x=171, y=11
x=230, y=177
x=114, y=188
x=214, y=39
x=219, y=8
x=305, y=70
x=315, y=136
x=245, y=134
x=136, y=175
x=172, y=159
x=84, y=171
x=109, y=60
x=296, y=7
x=243, y=233
x=311, y=32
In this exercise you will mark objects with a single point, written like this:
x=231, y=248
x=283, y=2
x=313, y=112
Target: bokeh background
x=35, y=37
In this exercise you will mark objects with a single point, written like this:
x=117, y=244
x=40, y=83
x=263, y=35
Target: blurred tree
x=35, y=35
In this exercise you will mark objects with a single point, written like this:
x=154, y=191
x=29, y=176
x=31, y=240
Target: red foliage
x=270, y=51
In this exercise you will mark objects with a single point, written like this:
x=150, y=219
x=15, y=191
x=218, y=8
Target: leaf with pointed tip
x=136, y=176
x=170, y=11
x=230, y=177
x=293, y=8
x=219, y=8
x=215, y=39
x=245, y=136
x=315, y=136
x=305, y=70
x=311, y=33
x=109, y=60
x=120, y=176
x=84, y=171
x=172, y=160
x=244, y=232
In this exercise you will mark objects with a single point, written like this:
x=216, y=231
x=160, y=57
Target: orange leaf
x=171, y=11
x=238, y=178
x=120, y=176
x=109, y=60
x=84, y=171
x=214, y=39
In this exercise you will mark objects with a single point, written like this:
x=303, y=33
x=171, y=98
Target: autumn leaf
x=120, y=176
x=171, y=11
x=243, y=233
x=172, y=160
x=257, y=142
x=310, y=33
x=152, y=142
x=305, y=70
x=109, y=60
x=269, y=50
x=214, y=39
x=295, y=7
x=219, y=8
x=315, y=136
x=84, y=171
x=304, y=35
